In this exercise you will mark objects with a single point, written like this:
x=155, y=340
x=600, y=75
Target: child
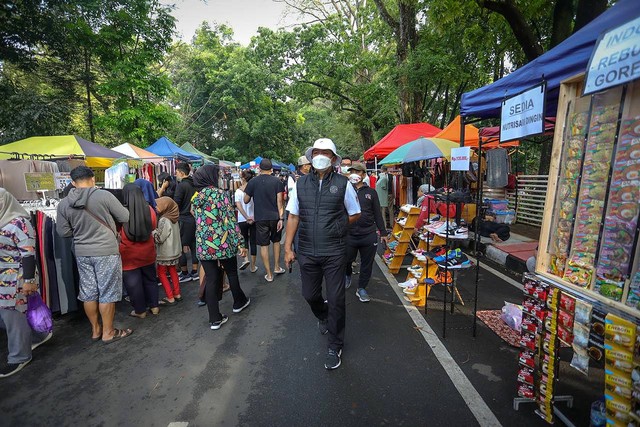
x=168, y=247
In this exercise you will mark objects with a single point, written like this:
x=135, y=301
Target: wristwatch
x=30, y=281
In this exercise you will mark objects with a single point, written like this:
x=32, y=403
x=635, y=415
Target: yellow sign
x=39, y=181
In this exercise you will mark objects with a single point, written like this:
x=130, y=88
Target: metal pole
x=477, y=236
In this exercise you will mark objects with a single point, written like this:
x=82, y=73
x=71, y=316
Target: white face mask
x=321, y=162
x=354, y=178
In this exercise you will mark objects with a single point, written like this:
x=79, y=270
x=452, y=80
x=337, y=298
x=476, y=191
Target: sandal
x=254, y=269
x=266, y=277
x=98, y=338
x=165, y=301
x=154, y=310
x=138, y=315
x=279, y=271
x=178, y=299
x=118, y=334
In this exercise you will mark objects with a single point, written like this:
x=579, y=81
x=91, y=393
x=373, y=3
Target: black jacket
x=370, y=216
x=184, y=193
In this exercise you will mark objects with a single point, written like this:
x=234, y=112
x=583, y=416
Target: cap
x=357, y=166
x=324, y=144
x=302, y=160
x=265, y=164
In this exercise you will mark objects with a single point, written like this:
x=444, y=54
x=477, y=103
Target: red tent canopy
x=398, y=136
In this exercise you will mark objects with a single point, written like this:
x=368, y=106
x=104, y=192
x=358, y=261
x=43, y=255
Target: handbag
x=38, y=314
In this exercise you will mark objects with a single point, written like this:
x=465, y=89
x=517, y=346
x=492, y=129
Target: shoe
x=165, y=301
x=397, y=235
x=434, y=219
x=417, y=252
x=449, y=255
x=11, y=368
x=459, y=261
x=410, y=282
x=415, y=268
x=44, y=340
x=216, y=325
x=333, y=359
x=194, y=275
x=155, y=310
x=244, y=265
x=405, y=208
x=246, y=304
x=184, y=277
x=410, y=290
x=436, y=252
x=201, y=303
x=323, y=326
x=402, y=221
x=362, y=295
x=347, y=282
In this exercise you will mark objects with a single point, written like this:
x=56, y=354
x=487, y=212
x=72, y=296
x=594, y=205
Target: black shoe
x=11, y=368
x=42, y=341
x=184, y=277
x=194, y=275
x=323, y=327
x=333, y=359
x=216, y=325
x=239, y=309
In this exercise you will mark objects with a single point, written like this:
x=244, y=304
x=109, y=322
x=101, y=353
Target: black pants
x=142, y=287
x=312, y=270
x=188, y=238
x=367, y=246
x=249, y=233
x=213, y=285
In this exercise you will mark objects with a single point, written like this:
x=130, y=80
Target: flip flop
x=266, y=277
x=118, y=334
x=254, y=269
x=244, y=265
x=139, y=316
x=165, y=301
x=280, y=271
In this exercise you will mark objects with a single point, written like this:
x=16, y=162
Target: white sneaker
x=44, y=340
x=410, y=282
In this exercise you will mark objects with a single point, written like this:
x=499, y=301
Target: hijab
x=138, y=229
x=10, y=209
x=167, y=208
x=206, y=176
x=149, y=193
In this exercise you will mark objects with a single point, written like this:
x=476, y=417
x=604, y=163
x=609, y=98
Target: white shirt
x=351, y=202
x=248, y=207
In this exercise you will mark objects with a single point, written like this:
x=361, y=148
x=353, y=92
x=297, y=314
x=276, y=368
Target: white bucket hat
x=324, y=144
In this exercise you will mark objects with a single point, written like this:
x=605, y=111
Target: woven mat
x=492, y=319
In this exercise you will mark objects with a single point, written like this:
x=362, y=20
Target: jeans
x=20, y=336
x=367, y=246
x=312, y=270
x=142, y=287
x=213, y=285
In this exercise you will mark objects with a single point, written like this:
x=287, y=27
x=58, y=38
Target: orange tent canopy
x=452, y=133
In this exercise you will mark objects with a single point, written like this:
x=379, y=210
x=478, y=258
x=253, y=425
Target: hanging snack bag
x=583, y=312
x=549, y=344
x=527, y=391
x=527, y=358
x=580, y=360
x=565, y=335
x=565, y=319
x=618, y=383
x=529, y=324
x=525, y=375
x=552, y=298
x=528, y=341
x=619, y=331
x=618, y=357
x=567, y=303
x=617, y=409
x=580, y=335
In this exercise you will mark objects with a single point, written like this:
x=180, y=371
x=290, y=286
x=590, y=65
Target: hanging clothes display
x=12, y=176
x=497, y=168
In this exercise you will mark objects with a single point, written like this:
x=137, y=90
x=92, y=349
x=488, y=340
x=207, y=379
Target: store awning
x=136, y=152
x=569, y=58
x=452, y=133
x=398, y=136
x=95, y=155
x=165, y=148
x=188, y=147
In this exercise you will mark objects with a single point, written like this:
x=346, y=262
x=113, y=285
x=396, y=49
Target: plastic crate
x=497, y=205
x=507, y=216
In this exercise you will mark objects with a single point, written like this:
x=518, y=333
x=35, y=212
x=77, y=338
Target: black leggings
x=142, y=287
x=249, y=233
x=213, y=285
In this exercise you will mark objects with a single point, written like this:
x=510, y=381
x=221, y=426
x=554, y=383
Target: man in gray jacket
x=90, y=215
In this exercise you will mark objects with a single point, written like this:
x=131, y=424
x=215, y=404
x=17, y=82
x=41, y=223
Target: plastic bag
x=38, y=314
x=512, y=315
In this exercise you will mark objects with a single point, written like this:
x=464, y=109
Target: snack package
x=527, y=358
x=580, y=335
x=551, y=322
x=549, y=343
x=619, y=331
x=609, y=288
x=546, y=386
x=596, y=347
x=565, y=319
x=618, y=383
x=549, y=365
x=617, y=408
x=536, y=290
x=528, y=391
x=565, y=335
x=525, y=375
x=597, y=322
x=535, y=307
x=580, y=360
x=633, y=299
x=528, y=341
x=583, y=312
x=529, y=323
x=617, y=357
x=567, y=303
x=552, y=298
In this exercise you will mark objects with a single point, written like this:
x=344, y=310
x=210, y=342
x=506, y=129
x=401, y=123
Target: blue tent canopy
x=164, y=147
x=276, y=164
x=569, y=58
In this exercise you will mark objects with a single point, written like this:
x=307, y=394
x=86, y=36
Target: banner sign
x=523, y=115
x=615, y=60
x=460, y=158
x=39, y=181
x=62, y=179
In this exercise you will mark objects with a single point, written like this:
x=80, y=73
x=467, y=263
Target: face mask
x=321, y=162
x=344, y=169
x=354, y=178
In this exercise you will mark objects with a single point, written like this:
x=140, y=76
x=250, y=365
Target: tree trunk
x=587, y=11
x=545, y=156
x=366, y=133
x=562, y=20
x=87, y=82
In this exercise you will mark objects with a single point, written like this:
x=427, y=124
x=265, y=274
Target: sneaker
x=410, y=282
x=184, y=277
x=44, y=340
x=347, y=282
x=450, y=255
x=333, y=359
x=246, y=304
x=323, y=326
x=11, y=368
x=415, y=268
x=398, y=235
x=194, y=275
x=362, y=295
x=436, y=252
x=462, y=230
x=216, y=325
x=201, y=303
x=421, y=258
x=402, y=221
x=434, y=219
x=406, y=208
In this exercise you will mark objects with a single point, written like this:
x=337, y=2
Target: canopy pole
x=462, y=125
x=375, y=159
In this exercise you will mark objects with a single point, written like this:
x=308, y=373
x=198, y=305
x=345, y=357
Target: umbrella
x=420, y=149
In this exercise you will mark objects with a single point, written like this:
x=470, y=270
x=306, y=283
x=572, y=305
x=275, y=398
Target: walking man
x=382, y=188
x=90, y=215
x=267, y=192
x=323, y=205
x=362, y=235
x=183, y=195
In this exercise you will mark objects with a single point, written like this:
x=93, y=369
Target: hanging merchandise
x=497, y=168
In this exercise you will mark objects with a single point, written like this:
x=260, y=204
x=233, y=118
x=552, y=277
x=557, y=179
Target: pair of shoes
x=216, y=325
x=244, y=264
x=362, y=295
x=408, y=283
x=118, y=334
x=138, y=315
x=279, y=271
x=166, y=301
x=347, y=282
x=323, y=326
x=184, y=277
x=44, y=340
x=333, y=359
x=246, y=304
x=11, y=368
x=201, y=303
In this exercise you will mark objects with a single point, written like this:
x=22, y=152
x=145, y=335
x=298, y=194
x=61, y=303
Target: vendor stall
x=399, y=135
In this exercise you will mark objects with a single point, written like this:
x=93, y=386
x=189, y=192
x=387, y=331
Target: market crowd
x=190, y=229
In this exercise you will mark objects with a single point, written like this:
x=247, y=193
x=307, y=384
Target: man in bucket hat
x=323, y=205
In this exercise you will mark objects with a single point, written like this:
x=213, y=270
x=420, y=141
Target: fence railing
x=529, y=200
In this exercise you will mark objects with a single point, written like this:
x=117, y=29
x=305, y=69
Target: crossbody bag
x=115, y=233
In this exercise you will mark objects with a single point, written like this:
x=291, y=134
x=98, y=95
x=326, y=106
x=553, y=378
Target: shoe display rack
x=400, y=238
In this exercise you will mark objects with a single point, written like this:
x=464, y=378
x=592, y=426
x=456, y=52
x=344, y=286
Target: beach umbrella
x=421, y=149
